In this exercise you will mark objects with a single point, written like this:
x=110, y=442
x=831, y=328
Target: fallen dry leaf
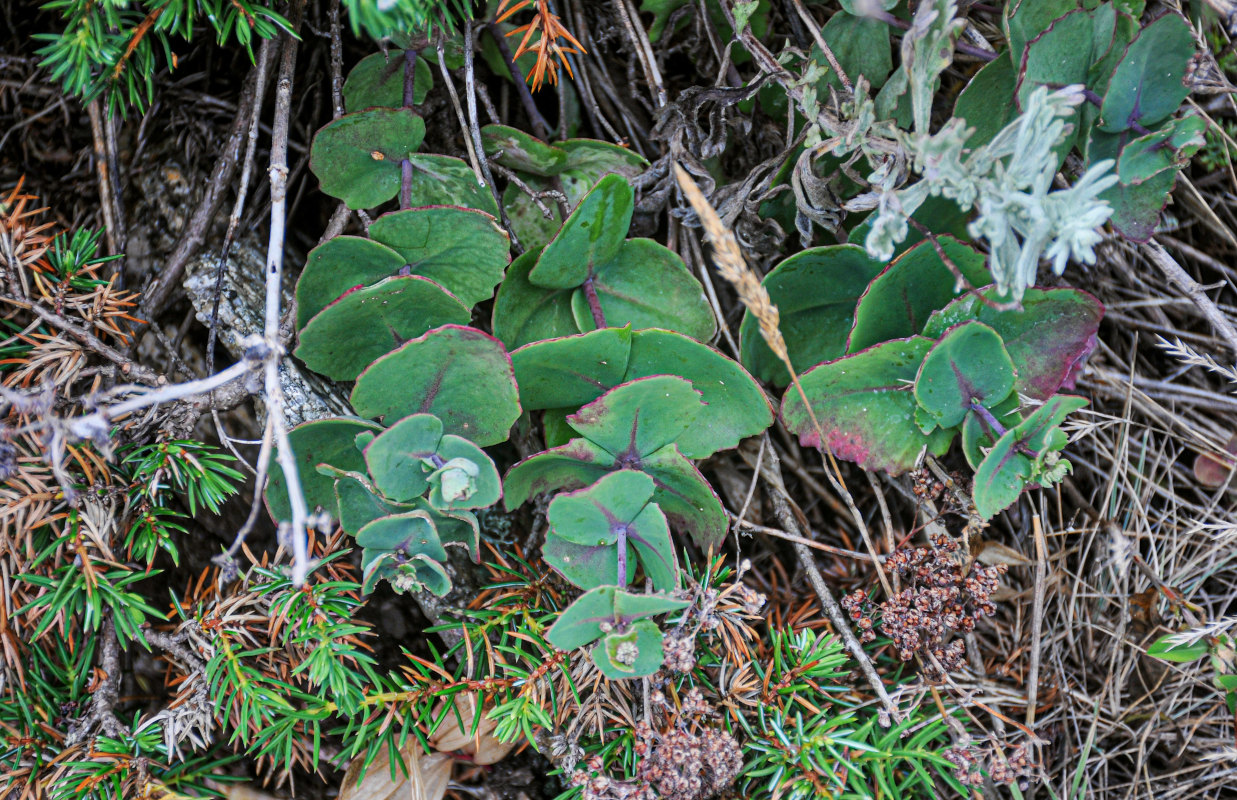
x=425, y=777
x=454, y=734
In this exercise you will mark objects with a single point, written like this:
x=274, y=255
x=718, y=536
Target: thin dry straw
x=732, y=267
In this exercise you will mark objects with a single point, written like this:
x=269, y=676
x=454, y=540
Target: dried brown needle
x=553, y=45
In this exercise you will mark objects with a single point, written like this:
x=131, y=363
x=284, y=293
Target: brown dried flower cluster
x=942, y=599
x=970, y=761
x=691, y=760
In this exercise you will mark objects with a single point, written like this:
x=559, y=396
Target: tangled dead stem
x=1035, y=626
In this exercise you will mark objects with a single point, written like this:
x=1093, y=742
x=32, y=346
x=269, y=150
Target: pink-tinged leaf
x=1213, y=469
x=1009, y=467
x=865, y=406
x=573, y=466
x=1048, y=340
x=460, y=375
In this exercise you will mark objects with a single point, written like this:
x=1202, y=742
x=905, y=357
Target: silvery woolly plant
x=1007, y=181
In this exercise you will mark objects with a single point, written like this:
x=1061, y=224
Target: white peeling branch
x=274, y=275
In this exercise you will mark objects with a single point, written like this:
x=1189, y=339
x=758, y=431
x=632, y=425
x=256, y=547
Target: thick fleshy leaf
x=570, y=466
x=989, y=103
x=337, y=265
x=1008, y=467
x=865, y=406
x=357, y=157
x=1146, y=86
x=464, y=250
x=571, y=370
x=1170, y=147
x=522, y=152
x=484, y=486
x=1048, y=340
x=378, y=80
x=591, y=236
x=322, y=441
x=459, y=374
x=1023, y=20
x=359, y=501
x=978, y=436
x=595, y=157
x=369, y=322
x=396, y=458
x=631, y=606
x=815, y=292
x=524, y=313
x=862, y=47
x=632, y=654
x=1058, y=56
x=968, y=366
x=587, y=565
x=412, y=574
x=639, y=417
x=413, y=533
x=735, y=407
x=359, y=505
x=580, y=623
x=900, y=299
x=1136, y=207
x=646, y=285
x=686, y=498
x=612, y=515
x=447, y=181
x=1114, y=30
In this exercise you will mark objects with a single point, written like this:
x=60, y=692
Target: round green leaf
x=378, y=80
x=615, y=511
x=1008, y=467
x=357, y=157
x=485, y=487
x=989, y=102
x=639, y=417
x=337, y=265
x=463, y=250
x=369, y=322
x=580, y=622
x=865, y=406
x=571, y=370
x=1146, y=86
x=901, y=298
x=815, y=292
x=977, y=436
x=591, y=236
x=633, y=654
x=359, y=505
x=570, y=466
x=323, y=441
x=522, y=152
x=968, y=365
x=410, y=534
x=1059, y=56
x=459, y=374
x=524, y=313
x=1047, y=340
x=574, y=370
x=395, y=459
x=446, y=181
x=646, y=285
x=735, y=407
x=598, y=158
